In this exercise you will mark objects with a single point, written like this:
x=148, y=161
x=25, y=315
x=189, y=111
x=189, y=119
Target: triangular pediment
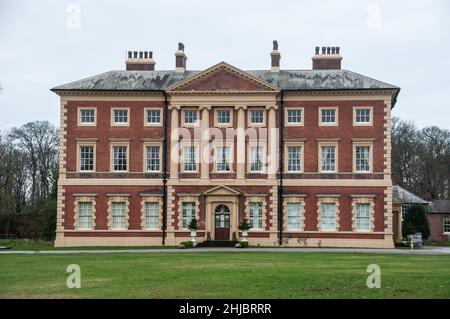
x=222, y=190
x=223, y=77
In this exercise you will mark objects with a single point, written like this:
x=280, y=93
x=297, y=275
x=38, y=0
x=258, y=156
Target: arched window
x=222, y=209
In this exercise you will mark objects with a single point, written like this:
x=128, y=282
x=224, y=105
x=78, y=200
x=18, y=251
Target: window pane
x=328, y=115
x=120, y=158
x=84, y=215
x=153, y=116
x=256, y=157
x=190, y=158
x=294, y=158
x=118, y=215
x=223, y=117
x=152, y=215
x=446, y=225
x=362, y=158
x=328, y=158
x=86, y=158
x=223, y=158
x=190, y=116
x=188, y=209
x=328, y=218
x=153, y=160
x=257, y=116
x=87, y=116
x=362, y=115
x=120, y=116
x=256, y=217
x=294, y=216
x=294, y=116
x=363, y=217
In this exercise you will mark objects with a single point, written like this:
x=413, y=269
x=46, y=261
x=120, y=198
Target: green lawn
x=225, y=275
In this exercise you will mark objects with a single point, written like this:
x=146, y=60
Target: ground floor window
x=294, y=216
x=256, y=215
x=118, y=215
x=328, y=216
x=363, y=216
x=188, y=213
x=84, y=215
x=446, y=225
x=151, y=215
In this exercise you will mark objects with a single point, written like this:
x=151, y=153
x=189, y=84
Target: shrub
x=186, y=244
x=241, y=244
x=244, y=225
x=193, y=225
x=415, y=221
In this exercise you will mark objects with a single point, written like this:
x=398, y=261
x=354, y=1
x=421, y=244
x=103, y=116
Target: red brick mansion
x=303, y=155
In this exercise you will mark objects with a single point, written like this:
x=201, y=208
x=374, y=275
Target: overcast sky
x=46, y=43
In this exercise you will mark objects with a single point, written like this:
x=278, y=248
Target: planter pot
x=244, y=235
x=193, y=233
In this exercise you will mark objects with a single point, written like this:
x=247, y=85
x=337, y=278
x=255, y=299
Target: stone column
x=174, y=145
x=240, y=144
x=272, y=142
x=204, y=142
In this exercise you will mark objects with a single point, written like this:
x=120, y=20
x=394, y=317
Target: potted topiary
x=193, y=227
x=244, y=226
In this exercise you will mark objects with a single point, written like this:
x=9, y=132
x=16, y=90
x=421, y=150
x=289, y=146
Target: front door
x=222, y=222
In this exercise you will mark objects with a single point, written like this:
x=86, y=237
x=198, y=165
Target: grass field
x=225, y=275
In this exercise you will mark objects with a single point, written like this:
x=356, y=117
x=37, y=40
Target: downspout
x=280, y=187
x=164, y=208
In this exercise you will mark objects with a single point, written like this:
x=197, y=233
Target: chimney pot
x=141, y=54
x=333, y=50
x=150, y=54
x=145, y=55
x=180, y=46
x=324, y=50
x=317, y=50
x=130, y=54
x=275, y=45
x=275, y=58
x=135, y=54
x=337, y=50
x=328, y=50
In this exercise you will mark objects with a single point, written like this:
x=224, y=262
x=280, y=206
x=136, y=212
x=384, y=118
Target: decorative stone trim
x=363, y=200
x=150, y=199
x=273, y=208
x=190, y=199
x=294, y=199
x=83, y=198
x=118, y=198
x=256, y=199
x=170, y=208
x=328, y=199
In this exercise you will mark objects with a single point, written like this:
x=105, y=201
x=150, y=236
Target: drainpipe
x=280, y=187
x=164, y=208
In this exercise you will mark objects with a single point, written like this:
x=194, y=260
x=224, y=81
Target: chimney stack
x=180, y=59
x=330, y=59
x=140, y=61
x=276, y=56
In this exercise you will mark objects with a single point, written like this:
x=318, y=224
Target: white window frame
x=336, y=156
x=216, y=117
x=249, y=117
x=80, y=123
x=197, y=156
x=363, y=200
x=86, y=144
x=322, y=205
x=216, y=156
x=336, y=122
x=356, y=108
x=157, y=216
x=113, y=121
x=363, y=144
x=184, y=219
x=145, y=157
x=300, y=213
x=260, y=217
x=112, y=145
x=183, y=116
x=124, y=204
x=89, y=216
x=157, y=124
x=286, y=116
x=286, y=156
x=446, y=220
x=263, y=145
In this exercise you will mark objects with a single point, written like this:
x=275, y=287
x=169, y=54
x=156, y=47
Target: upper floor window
x=190, y=158
x=256, y=215
x=87, y=161
x=328, y=216
x=153, y=117
x=362, y=159
x=120, y=116
x=257, y=117
x=151, y=215
x=120, y=158
x=87, y=116
x=294, y=158
x=362, y=116
x=256, y=159
x=153, y=158
x=294, y=216
x=190, y=117
x=294, y=116
x=328, y=116
x=223, y=158
x=84, y=215
x=328, y=158
x=188, y=213
x=363, y=217
x=223, y=117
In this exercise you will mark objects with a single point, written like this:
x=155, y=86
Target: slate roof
x=440, y=206
x=286, y=80
x=403, y=196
